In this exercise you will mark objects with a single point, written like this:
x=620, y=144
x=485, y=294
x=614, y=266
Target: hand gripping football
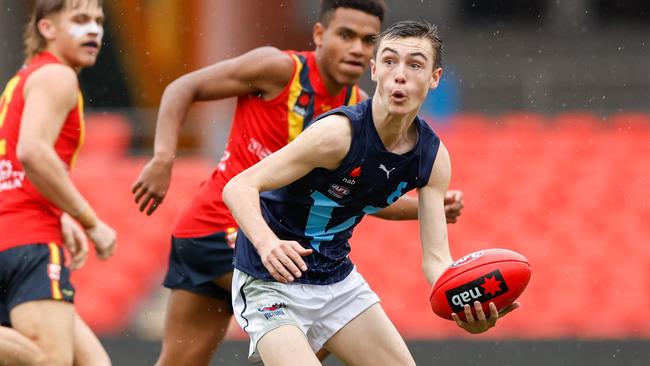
x=490, y=275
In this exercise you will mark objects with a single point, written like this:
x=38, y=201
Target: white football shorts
x=318, y=310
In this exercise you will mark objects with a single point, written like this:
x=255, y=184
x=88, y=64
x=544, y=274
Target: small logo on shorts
x=272, y=311
x=67, y=293
x=54, y=272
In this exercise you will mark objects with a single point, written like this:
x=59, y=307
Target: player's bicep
x=255, y=71
x=50, y=94
x=431, y=210
x=440, y=172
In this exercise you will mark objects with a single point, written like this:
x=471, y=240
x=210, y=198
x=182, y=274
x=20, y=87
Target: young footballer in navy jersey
x=295, y=288
x=279, y=92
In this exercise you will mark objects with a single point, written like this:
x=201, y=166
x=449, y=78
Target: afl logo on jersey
x=338, y=191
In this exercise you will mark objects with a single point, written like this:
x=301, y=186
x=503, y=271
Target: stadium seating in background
x=569, y=192
x=110, y=292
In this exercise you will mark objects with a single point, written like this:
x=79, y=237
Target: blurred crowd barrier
x=570, y=192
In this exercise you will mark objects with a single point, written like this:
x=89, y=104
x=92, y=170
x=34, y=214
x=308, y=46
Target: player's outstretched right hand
x=104, y=238
x=482, y=323
x=151, y=186
x=282, y=258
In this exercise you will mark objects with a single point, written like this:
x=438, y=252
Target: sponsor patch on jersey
x=338, y=191
x=302, y=104
x=10, y=178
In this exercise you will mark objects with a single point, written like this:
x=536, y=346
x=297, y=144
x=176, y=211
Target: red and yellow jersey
x=26, y=217
x=259, y=128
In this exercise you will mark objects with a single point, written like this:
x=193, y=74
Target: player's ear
x=373, y=69
x=435, y=78
x=47, y=28
x=319, y=29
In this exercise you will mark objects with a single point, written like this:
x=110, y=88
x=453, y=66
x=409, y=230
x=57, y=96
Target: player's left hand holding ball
x=482, y=323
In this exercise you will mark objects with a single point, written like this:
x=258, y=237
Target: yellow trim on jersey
x=296, y=121
x=3, y=147
x=82, y=129
x=5, y=99
x=354, y=98
x=55, y=258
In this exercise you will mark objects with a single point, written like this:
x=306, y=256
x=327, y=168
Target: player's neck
x=331, y=85
x=59, y=56
x=396, y=131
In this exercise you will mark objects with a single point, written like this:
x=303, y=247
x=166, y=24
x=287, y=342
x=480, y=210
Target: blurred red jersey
x=259, y=128
x=26, y=217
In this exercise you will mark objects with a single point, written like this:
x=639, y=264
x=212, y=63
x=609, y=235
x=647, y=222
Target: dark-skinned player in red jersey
x=279, y=92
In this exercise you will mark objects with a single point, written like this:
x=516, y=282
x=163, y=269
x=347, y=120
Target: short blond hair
x=33, y=40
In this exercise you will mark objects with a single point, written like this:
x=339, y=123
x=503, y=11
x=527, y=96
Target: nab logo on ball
x=482, y=289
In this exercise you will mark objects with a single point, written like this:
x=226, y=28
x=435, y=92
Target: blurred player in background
x=41, y=131
x=295, y=288
x=279, y=92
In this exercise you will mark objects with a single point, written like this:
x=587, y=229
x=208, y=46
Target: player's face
x=345, y=45
x=75, y=34
x=404, y=72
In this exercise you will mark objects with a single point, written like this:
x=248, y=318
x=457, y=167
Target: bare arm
x=324, y=145
x=436, y=256
x=264, y=70
x=406, y=208
x=50, y=94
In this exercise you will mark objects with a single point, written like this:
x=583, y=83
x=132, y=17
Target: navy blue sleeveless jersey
x=321, y=209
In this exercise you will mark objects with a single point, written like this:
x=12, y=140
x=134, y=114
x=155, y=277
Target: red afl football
x=490, y=275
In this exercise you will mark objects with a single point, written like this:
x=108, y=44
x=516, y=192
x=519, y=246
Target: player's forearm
x=436, y=256
x=175, y=103
x=244, y=204
x=47, y=174
x=405, y=208
x=434, y=267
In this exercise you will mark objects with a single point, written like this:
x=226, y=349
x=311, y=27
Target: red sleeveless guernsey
x=26, y=217
x=259, y=128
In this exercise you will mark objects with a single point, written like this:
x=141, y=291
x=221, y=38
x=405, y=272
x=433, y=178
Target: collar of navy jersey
x=391, y=156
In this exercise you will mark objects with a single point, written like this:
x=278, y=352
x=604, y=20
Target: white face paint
x=79, y=31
